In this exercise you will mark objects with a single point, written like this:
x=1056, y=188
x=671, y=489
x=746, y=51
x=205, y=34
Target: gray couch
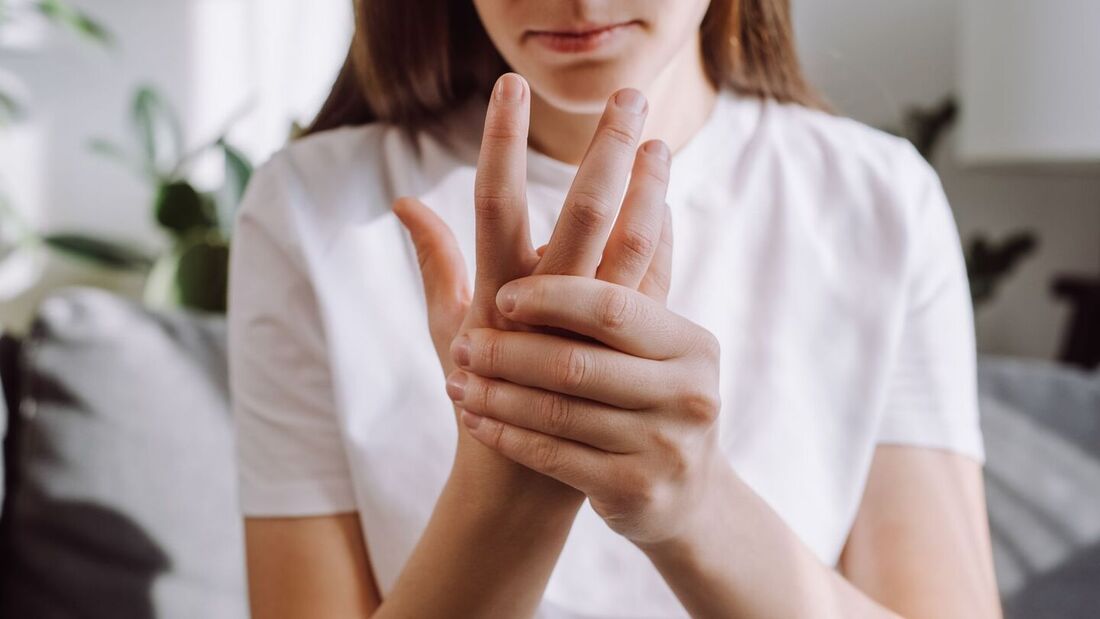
x=120, y=498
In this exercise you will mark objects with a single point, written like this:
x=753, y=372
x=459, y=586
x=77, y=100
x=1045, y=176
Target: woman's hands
x=577, y=247
x=629, y=421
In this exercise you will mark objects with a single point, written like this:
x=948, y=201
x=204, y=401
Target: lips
x=582, y=38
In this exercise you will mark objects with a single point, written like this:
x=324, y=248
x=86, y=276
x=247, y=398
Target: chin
x=582, y=90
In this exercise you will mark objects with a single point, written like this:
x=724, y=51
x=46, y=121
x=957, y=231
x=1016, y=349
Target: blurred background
x=128, y=129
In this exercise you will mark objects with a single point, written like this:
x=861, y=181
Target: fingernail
x=658, y=149
x=506, y=300
x=471, y=420
x=461, y=351
x=630, y=100
x=456, y=385
x=510, y=87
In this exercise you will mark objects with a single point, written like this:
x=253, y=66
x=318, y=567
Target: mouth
x=581, y=38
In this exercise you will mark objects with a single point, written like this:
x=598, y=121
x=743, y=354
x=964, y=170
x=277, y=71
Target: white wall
x=209, y=57
x=875, y=57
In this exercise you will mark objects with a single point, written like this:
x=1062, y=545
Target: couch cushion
x=1041, y=422
x=9, y=372
x=126, y=501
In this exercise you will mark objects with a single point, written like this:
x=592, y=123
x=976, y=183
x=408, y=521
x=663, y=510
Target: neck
x=680, y=101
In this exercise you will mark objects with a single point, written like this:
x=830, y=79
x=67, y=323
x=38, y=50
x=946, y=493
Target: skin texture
x=610, y=396
x=309, y=567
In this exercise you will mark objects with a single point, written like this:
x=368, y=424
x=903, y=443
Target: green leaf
x=238, y=171
x=202, y=274
x=181, y=209
x=109, y=254
x=158, y=130
x=63, y=14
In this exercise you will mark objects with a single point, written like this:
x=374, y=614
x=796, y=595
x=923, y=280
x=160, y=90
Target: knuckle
x=670, y=451
x=635, y=491
x=545, y=454
x=638, y=242
x=572, y=368
x=500, y=129
x=700, y=406
x=496, y=438
x=490, y=393
x=619, y=133
x=675, y=461
x=490, y=204
x=588, y=211
x=614, y=309
x=555, y=413
x=660, y=441
x=490, y=353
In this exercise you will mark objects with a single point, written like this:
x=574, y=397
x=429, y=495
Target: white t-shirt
x=821, y=253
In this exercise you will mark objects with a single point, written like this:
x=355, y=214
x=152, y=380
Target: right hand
x=637, y=252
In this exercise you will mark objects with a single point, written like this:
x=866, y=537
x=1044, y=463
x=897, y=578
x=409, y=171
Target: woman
x=757, y=401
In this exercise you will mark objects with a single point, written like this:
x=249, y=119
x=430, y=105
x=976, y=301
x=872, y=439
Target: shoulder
x=352, y=175
x=848, y=165
x=342, y=174
x=367, y=150
x=829, y=143
x=313, y=187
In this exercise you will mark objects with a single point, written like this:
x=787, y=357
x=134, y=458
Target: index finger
x=503, y=239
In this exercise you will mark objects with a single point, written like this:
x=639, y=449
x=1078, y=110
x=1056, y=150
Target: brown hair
x=412, y=60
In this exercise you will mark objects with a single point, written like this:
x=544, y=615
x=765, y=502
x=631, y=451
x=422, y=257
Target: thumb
x=442, y=267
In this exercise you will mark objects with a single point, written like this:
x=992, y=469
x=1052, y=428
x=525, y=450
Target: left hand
x=629, y=419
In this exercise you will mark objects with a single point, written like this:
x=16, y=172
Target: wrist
x=701, y=520
x=491, y=484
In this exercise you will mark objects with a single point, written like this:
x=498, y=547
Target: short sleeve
x=931, y=395
x=290, y=450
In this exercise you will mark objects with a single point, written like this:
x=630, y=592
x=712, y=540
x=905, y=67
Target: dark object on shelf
x=925, y=126
x=988, y=263
x=1081, y=344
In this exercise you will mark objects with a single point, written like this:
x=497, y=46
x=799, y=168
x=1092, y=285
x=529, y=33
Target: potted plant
x=193, y=272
